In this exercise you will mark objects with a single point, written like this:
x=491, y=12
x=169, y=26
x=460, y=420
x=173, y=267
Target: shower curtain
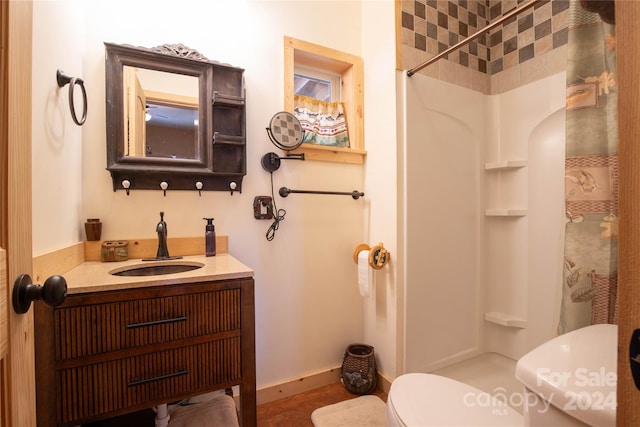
x=589, y=288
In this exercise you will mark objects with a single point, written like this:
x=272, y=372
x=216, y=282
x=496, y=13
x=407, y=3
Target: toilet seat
x=431, y=400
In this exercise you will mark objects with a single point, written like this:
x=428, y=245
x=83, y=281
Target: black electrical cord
x=276, y=214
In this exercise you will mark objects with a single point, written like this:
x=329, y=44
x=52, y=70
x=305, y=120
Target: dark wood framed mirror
x=173, y=116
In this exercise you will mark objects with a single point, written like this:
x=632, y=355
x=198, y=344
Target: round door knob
x=53, y=292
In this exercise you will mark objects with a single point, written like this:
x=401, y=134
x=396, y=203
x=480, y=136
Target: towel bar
x=284, y=192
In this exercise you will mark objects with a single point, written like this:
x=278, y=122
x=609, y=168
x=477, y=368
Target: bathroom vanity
x=123, y=344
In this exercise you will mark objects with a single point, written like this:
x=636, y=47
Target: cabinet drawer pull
x=157, y=322
x=158, y=378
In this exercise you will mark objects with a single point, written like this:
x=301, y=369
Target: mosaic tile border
x=431, y=26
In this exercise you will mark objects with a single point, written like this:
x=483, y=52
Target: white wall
x=307, y=304
x=380, y=215
x=57, y=142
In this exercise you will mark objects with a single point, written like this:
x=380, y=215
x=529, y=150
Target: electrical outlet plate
x=262, y=207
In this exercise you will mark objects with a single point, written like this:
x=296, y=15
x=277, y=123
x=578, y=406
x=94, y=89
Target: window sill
x=331, y=154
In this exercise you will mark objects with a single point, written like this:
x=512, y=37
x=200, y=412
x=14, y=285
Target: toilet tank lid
x=431, y=400
x=576, y=372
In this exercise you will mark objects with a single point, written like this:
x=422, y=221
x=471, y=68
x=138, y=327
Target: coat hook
x=164, y=187
x=126, y=184
x=63, y=80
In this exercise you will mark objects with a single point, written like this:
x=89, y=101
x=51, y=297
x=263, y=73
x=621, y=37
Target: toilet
x=421, y=400
x=571, y=379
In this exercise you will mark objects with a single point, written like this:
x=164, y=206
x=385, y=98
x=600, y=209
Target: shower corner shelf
x=508, y=164
x=506, y=212
x=504, y=319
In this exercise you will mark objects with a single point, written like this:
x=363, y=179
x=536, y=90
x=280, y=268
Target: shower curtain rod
x=458, y=45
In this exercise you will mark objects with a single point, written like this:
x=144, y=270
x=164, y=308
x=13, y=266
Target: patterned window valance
x=324, y=123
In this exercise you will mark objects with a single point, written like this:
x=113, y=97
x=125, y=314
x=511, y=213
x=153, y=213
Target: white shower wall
x=458, y=262
x=444, y=131
x=522, y=255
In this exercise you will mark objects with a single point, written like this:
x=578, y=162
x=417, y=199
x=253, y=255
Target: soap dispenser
x=210, y=238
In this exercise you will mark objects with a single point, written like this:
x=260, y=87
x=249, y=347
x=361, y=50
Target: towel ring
x=63, y=80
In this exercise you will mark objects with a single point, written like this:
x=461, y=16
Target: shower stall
x=482, y=218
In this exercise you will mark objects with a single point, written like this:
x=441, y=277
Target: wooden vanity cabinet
x=103, y=354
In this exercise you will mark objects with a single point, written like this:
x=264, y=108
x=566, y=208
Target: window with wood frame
x=313, y=61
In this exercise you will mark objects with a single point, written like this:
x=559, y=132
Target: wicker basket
x=358, y=372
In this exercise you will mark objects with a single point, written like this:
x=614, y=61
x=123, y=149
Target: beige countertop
x=94, y=276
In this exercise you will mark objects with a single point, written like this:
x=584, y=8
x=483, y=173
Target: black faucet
x=161, y=229
x=163, y=251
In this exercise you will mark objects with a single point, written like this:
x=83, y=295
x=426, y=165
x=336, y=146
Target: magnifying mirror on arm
x=286, y=133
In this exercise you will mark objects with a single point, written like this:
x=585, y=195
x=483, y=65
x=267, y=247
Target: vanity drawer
x=108, y=353
x=141, y=381
x=92, y=329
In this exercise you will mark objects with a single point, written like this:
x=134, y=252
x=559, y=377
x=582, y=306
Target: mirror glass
x=160, y=114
